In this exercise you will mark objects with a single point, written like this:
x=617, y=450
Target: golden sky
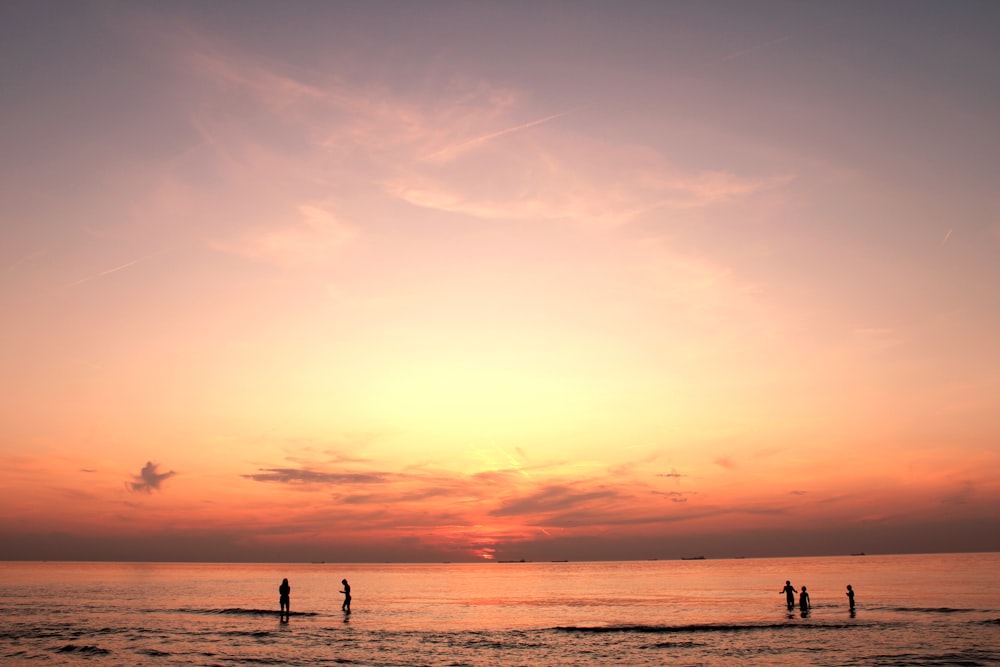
x=472, y=280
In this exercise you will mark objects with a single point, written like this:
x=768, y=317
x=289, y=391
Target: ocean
x=911, y=610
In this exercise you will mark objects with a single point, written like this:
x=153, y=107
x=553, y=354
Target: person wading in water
x=346, y=607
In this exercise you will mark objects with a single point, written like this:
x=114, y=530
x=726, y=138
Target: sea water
x=911, y=610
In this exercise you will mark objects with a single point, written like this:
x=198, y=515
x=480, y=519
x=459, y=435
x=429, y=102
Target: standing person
x=284, y=590
x=804, y=604
x=789, y=592
x=850, y=596
x=346, y=607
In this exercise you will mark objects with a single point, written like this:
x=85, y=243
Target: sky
x=463, y=281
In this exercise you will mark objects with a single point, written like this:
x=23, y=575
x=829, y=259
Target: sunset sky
x=406, y=281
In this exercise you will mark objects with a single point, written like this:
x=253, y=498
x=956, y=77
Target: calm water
x=912, y=610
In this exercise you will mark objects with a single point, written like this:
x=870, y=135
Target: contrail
x=758, y=47
x=946, y=236
x=458, y=148
x=27, y=258
x=103, y=273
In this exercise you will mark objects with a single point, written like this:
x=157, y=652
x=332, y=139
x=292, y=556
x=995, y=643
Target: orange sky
x=451, y=281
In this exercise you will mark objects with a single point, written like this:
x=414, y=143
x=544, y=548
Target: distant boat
x=692, y=558
x=860, y=553
x=512, y=561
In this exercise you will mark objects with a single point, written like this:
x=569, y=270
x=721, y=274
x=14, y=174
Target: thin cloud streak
x=100, y=274
x=18, y=263
x=305, y=476
x=754, y=49
x=452, y=151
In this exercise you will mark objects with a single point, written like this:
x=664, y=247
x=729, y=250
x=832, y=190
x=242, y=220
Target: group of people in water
x=285, y=592
x=804, y=604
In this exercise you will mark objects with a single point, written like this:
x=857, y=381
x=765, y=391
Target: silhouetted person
x=346, y=607
x=284, y=590
x=789, y=592
x=850, y=597
x=804, y=605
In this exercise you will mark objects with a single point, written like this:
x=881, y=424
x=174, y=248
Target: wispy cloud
x=960, y=494
x=450, y=152
x=725, y=462
x=556, y=498
x=439, y=152
x=557, y=178
x=21, y=261
x=312, y=238
x=103, y=273
x=307, y=476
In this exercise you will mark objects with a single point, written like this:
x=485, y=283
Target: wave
x=933, y=610
x=86, y=650
x=700, y=627
x=240, y=611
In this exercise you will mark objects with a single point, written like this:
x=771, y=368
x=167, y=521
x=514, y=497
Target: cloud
x=555, y=498
x=725, y=462
x=568, y=177
x=450, y=152
x=440, y=151
x=961, y=494
x=757, y=47
x=307, y=476
x=467, y=510
x=310, y=239
x=149, y=478
x=103, y=273
x=674, y=496
x=18, y=263
x=492, y=477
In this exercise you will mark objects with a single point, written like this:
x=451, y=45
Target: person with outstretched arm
x=789, y=592
x=346, y=607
